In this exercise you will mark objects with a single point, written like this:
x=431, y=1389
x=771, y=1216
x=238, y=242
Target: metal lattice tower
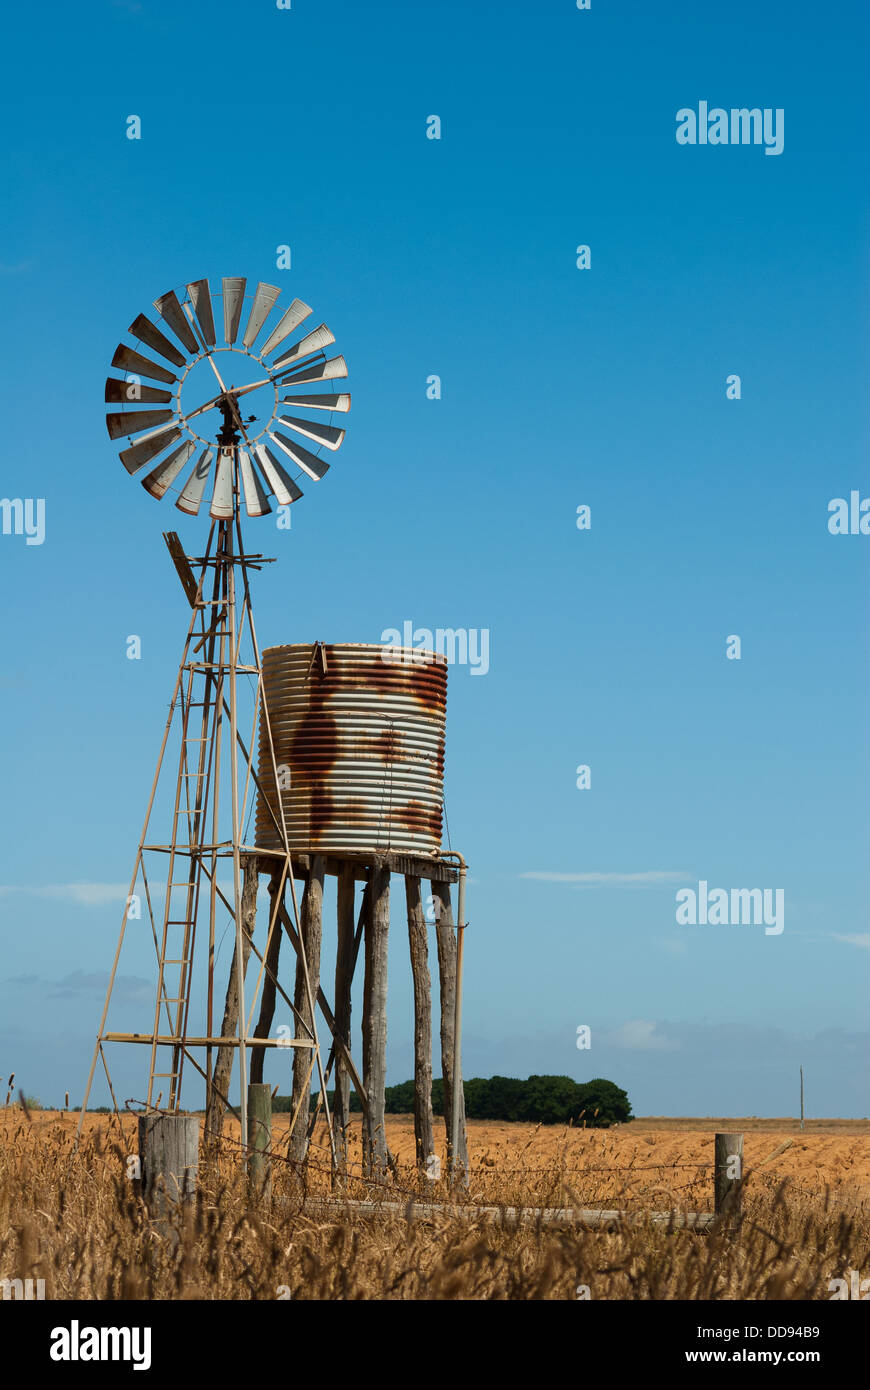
x=220, y=660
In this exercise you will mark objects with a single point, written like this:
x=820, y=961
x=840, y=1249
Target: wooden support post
x=214, y=1120
x=270, y=977
x=338, y=1044
x=260, y=1139
x=374, y=1021
x=445, y=936
x=311, y=928
x=168, y=1161
x=345, y=959
x=424, y=1138
x=728, y=1175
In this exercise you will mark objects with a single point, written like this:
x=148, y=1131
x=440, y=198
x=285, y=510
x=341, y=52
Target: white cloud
x=85, y=894
x=645, y=876
x=861, y=940
x=673, y=945
x=99, y=894
x=81, y=983
x=639, y=1035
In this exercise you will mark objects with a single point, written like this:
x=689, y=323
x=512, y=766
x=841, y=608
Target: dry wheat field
x=75, y=1219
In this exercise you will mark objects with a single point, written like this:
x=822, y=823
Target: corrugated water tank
x=358, y=735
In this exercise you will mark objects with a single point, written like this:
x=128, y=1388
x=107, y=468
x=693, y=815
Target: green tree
x=549, y=1100
x=603, y=1102
x=399, y=1100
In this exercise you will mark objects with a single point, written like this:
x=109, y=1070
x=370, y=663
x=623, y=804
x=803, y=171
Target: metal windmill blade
x=327, y=435
x=222, y=501
x=277, y=477
x=118, y=393
x=130, y=422
x=318, y=338
x=183, y=415
x=161, y=478
x=312, y=465
x=149, y=447
x=145, y=331
x=200, y=299
x=171, y=311
x=329, y=370
x=191, y=497
x=134, y=362
x=264, y=302
x=291, y=320
x=320, y=401
x=256, y=500
x=234, y=298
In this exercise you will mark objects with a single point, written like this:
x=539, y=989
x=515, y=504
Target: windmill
x=227, y=425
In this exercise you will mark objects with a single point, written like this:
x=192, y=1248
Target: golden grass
x=77, y=1222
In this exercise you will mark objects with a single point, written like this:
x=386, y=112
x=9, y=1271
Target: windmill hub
x=239, y=372
x=228, y=435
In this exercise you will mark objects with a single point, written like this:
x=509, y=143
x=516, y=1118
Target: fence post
x=728, y=1175
x=169, y=1159
x=260, y=1139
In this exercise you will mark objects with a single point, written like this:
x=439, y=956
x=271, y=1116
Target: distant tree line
x=549, y=1100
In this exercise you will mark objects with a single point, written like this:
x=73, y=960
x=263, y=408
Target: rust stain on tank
x=386, y=747
x=314, y=749
x=414, y=814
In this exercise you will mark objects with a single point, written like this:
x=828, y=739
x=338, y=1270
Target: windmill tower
x=186, y=407
x=361, y=739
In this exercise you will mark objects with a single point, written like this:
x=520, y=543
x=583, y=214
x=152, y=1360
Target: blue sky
x=561, y=387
